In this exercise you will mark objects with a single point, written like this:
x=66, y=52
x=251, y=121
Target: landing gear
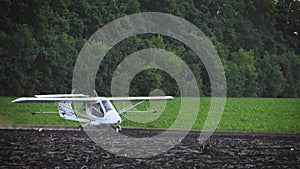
x=118, y=128
x=79, y=128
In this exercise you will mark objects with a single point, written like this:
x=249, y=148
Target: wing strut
x=130, y=107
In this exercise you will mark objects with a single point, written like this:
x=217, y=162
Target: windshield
x=107, y=106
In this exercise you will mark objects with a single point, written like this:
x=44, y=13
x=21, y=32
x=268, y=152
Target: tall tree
x=288, y=23
x=270, y=76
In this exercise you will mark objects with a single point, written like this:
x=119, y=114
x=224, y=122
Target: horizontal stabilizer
x=60, y=95
x=53, y=99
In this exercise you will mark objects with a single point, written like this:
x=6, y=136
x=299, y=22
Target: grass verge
x=240, y=114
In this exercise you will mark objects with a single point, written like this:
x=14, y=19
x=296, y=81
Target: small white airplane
x=99, y=110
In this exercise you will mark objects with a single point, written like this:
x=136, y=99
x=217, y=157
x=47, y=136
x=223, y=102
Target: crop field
x=240, y=114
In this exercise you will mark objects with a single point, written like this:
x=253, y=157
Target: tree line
x=257, y=40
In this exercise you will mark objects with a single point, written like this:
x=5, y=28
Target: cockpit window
x=107, y=106
x=97, y=110
x=101, y=110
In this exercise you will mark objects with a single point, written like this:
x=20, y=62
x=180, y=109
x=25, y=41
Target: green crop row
x=240, y=114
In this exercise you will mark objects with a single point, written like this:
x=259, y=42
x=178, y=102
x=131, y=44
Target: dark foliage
x=257, y=40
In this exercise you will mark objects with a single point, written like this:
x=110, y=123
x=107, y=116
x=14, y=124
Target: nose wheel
x=118, y=128
x=80, y=128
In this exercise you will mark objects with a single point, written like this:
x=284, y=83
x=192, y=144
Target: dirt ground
x=73, y=149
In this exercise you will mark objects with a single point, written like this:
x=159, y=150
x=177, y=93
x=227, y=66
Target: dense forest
x=258, y=42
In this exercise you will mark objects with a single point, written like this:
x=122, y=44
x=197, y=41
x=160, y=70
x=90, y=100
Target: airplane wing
x=139, y=98
x=52, y=99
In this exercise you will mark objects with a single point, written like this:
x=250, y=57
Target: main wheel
x=118, y=128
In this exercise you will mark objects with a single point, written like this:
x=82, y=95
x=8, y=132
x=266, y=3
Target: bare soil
x=74, y=149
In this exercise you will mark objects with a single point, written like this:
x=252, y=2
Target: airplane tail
x=66, y=111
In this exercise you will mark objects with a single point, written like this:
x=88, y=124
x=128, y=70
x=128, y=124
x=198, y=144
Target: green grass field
x=240, y=114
